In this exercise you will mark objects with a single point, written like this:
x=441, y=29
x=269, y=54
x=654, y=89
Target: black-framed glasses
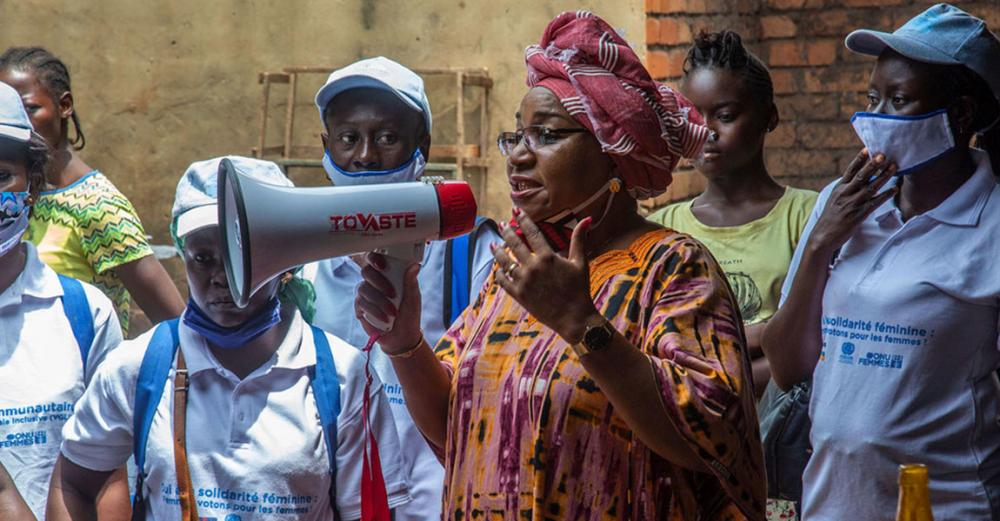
x=536, y=136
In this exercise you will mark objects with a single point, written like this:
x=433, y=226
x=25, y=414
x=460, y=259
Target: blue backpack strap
x=459, y=264
x=77, y=310
x=326, y=390
x=456, y=281
x=153, y=373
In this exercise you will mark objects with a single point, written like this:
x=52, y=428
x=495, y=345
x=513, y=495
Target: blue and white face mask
x=14, y=212
x=909, y=141
x=408, y=171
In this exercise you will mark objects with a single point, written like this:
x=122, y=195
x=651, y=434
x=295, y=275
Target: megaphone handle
x=398, y=259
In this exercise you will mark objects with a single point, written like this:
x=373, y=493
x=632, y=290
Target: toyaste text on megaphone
x=268, y=229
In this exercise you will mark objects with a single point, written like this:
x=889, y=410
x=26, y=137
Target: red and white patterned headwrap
x=643, y=125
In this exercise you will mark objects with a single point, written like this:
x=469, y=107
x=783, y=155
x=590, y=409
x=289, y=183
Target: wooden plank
x=264, y=97
x=289, y=117
x=308, y=70
x=460, y=120
x=475, y=162
x=307, y=151
x=269, y=151
x=453, y=151
x=273, y=77
x=479, y=81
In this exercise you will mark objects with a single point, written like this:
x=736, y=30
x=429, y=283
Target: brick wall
x=818, y=83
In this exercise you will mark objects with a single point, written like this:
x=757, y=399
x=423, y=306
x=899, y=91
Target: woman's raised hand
x=373, y=298
x=856, y=196
x=553, y=288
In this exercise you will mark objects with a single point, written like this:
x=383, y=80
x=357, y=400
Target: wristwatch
x=596, y=337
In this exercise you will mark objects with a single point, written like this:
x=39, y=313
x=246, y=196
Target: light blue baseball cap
x=196, y=201
x=14, y=122
x=943, y=34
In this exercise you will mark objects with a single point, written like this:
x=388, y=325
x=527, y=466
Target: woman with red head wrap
x=602, y=372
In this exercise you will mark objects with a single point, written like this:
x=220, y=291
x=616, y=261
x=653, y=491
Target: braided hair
x=37, y=154
x=725, y=50
x=50, y=71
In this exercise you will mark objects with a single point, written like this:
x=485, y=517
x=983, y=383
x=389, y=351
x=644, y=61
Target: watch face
x=598, y=338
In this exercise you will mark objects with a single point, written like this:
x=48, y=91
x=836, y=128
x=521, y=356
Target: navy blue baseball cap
x=943, y=34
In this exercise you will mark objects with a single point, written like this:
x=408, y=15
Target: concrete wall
x=161, y=84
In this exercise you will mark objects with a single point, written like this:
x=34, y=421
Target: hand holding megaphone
x=268, y=229
x=393, y=262
x=386, y=309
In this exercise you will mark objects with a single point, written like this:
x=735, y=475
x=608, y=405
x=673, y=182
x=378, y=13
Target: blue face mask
x=232, y=337
x=14, y=212
x=408, y=171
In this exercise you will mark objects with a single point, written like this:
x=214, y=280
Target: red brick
x=748, y=6
x=786, y=4
x=821, y=52
x=672, y=6
x=838, y=134
x=652, y=6
x=801, y=163
x=783, y=136
x=777, y=26
x=667, y=31
x=851, y=102
x=785, y=81
x=991, y=17
x=836, y=79
x=808, y=107
x=808, y=183
x=829, y=23
x=666, y=64
x=786, y=53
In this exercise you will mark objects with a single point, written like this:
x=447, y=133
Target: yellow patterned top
x=86, y=229
x=532, y=437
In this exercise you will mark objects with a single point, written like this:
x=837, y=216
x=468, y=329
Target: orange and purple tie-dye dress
x=531, y=436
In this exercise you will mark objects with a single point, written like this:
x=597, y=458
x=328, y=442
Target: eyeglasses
x=537, y=136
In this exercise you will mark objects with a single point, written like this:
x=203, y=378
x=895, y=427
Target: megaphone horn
x=269, y=229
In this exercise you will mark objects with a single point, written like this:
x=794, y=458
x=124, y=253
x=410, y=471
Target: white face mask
x=14, y=212
x=558, y=229
x=408, y=171
x=909, y=141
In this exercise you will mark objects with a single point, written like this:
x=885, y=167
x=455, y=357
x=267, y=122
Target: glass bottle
x=914, y=496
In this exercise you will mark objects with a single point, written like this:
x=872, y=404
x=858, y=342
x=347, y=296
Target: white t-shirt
x=907, y=369
x=41, y=372
x=255, y=447
x=336, y=282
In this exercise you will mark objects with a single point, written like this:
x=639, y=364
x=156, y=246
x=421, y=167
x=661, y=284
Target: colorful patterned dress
x=532, y=437
x=86, y=229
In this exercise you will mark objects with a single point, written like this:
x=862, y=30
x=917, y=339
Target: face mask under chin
x=409, y=171
x=558, y=229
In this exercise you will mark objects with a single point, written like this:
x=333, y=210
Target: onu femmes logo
x=372, y=222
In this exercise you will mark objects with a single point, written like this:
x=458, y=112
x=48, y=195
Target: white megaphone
x=269, y=229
